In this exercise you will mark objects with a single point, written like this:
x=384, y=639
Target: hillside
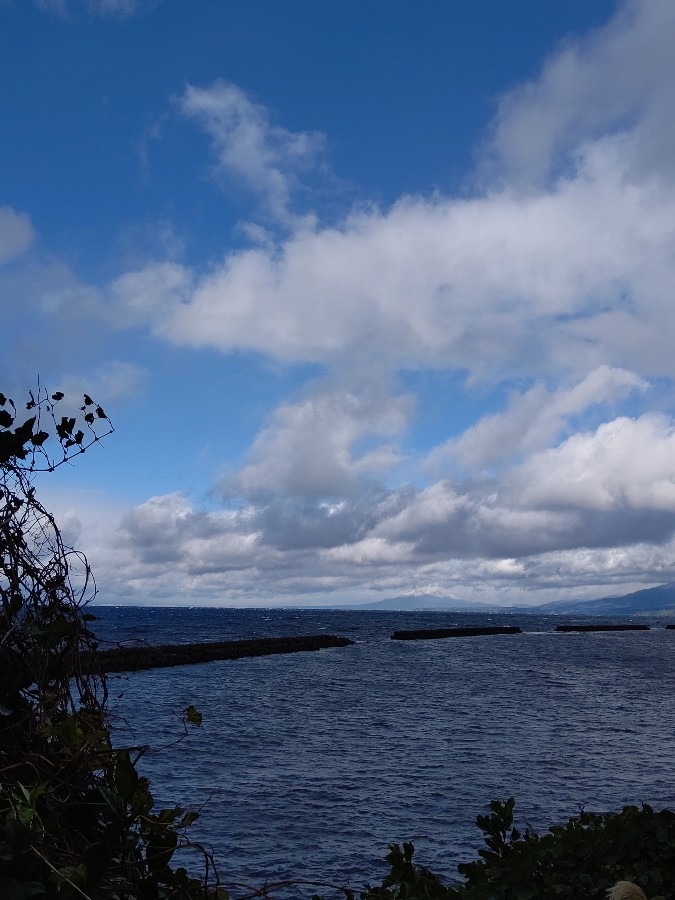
x=653, y=601
x=417, y=600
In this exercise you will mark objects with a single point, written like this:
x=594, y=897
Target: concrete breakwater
x=602, y=627
x=133, y=659
x=423, y=634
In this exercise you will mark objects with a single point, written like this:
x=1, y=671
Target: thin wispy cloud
x=534, y=420
x=250, y=150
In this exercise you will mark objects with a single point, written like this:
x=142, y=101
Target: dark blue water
x=309, y=764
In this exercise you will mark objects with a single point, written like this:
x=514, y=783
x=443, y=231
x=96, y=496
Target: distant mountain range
x=654, y=601
x=422, y=600
x=650, y=601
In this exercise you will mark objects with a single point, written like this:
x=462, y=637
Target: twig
x=267, y=889
x=54, y=869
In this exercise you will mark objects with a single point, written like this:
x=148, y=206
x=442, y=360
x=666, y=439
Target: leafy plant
x=582, y=858
x=76, y=818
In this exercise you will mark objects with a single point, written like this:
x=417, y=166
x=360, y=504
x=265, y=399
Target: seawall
x=424, y=634
x=602, y=627
x=133, y=659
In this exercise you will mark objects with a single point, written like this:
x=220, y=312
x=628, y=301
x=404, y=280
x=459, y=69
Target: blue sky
x=378, y=295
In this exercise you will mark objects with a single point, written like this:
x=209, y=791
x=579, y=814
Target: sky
x=378, y=295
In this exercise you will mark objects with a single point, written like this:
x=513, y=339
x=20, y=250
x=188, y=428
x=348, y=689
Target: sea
x=308, y=765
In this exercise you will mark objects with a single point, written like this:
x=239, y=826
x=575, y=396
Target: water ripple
x=310, y=764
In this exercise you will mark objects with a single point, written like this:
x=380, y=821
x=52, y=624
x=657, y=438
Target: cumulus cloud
x=567, y=279
x=615, y=80
x=624, y=464
x=168, y=530
x=149, y=295
x=534, y=419
x=555, y=274
x=480, y=545
x=310, y=448
x=249, y=148
x=601, y=492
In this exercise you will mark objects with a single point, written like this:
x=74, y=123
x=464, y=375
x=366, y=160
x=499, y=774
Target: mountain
x=654, y=601
x=418, y=600
x=650, y=601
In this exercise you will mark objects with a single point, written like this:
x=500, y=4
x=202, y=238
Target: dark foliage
x=76, y=819
x=580, y=859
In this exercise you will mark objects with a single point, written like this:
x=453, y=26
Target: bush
x=76, y=818
x=582, y=858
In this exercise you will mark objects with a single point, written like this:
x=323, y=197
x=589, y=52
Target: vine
x=76, y=818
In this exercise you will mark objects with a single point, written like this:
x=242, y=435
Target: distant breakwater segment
x=146, y=656
x=423, y=634
x=602, y=627
x=133, y=659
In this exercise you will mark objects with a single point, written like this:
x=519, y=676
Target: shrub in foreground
x=76, y=818
x=580, y=859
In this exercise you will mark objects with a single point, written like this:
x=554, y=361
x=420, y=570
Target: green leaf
x=168, y=816
x=160, y=848
x=6, y=419
x=188, y=819
x=192, y=715
x=25, y=814
x=126, y=776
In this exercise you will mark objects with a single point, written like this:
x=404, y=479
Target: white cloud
x=558, y=270
x=626, y=463
x=616, y=79
x=372, y=550
x=16, y=234
x=149, y=295
x=534, y=419
x=168, y=528
x=500, y=285
x=570, y=273
x=566, y=273
x=249, y=148
x=310, y=448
